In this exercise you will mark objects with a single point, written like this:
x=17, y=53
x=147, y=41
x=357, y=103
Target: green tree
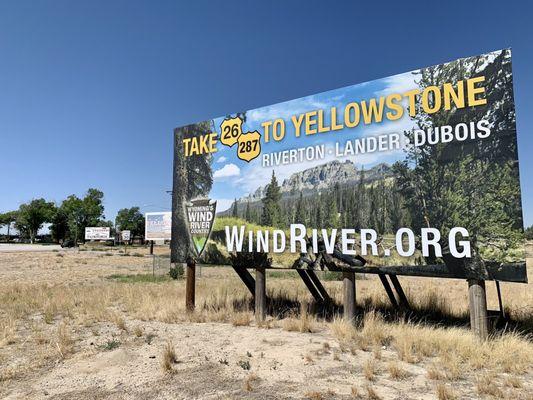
x=529, y=233
x=76, y=214
x=332, y=212
x=59, y=227
x=8, y=218
x=235, y=210
x=299, y=216
x=271, y=215
x=31, y=217
x=72, y=209
x=130, y=219
x=473, y=183
x=248, y=212
x=93, y=208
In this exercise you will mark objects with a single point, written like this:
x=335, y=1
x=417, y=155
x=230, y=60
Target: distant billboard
x=125, y=235
x=158, y=225
x=416, y=173
x=97, y=233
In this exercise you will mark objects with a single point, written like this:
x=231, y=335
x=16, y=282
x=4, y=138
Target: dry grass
x=486, y=384
x=168, y=358
x=371, y=393
x=251, y=378
x=514, y=382
x=61, y=306
x=85, y=305
x=435, y=373
x=8, y=331
x=300, y=323
x=371, y=334
x=369, y=370
x=445, y=392
x=241, y=319
x=120, y=322
x=314, y=395
x=396, y=372
x=138, y=331
x=64, y=341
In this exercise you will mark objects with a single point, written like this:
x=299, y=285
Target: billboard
x=97, y=233
x=158, y=225
x=413, y=174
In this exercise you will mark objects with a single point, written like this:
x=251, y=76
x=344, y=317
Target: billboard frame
x=474, y=270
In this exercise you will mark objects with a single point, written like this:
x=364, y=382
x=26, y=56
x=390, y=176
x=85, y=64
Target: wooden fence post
x=190, y=285
x=260, y=294
x=349, y=295
x=478, y=307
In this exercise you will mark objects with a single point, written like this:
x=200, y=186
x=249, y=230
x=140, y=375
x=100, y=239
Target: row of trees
x=378, y=205
x=68, y=220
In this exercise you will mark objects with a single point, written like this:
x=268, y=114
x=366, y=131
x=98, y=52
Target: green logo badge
x=201, y=215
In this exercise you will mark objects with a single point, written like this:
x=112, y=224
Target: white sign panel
x=158, y=225
x=97, y=233
x=126, y=235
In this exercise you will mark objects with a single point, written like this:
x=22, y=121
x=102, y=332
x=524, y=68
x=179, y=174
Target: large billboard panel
x=158, y=225
x=416, y=173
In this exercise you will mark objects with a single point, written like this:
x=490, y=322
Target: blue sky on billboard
x=91, y=91
x=231, y=176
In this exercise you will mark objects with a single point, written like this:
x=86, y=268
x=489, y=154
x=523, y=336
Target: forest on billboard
x=416, y=173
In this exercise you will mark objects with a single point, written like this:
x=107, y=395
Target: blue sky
x=91, y=91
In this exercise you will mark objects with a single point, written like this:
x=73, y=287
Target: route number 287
x=249, y=146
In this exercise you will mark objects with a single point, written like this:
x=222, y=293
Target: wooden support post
x=322, y=290
x=151, y=247
x=388, y=289
x=404, y=303
x=349, y=295
x=500, y=302
x=310, y=285
x=190, y=285
x=478, y=307
x=260, y=294
x=246, y=278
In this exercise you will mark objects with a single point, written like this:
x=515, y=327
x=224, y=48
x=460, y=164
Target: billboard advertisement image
x=416, y=173
x=158, y=225
x=97, y=233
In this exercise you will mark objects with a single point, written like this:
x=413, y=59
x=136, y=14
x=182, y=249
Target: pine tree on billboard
x=479, y=187
x=271, y=207
x=193, y=178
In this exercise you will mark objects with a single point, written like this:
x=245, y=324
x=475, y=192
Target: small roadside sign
x=126, y=235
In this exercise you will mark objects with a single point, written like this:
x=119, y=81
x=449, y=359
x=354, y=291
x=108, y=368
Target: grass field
x=98, y=324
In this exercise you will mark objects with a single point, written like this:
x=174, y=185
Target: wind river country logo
x=201, y=216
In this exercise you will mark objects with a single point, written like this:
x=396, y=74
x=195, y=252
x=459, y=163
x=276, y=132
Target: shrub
x=176, y=272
